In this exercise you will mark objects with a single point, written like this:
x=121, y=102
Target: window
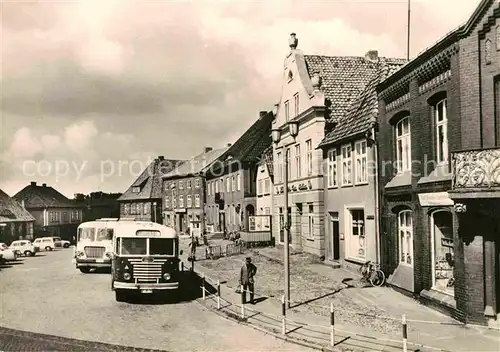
x=310, y=218
x=296, y=101
x=289, y=166
x=181, y=201
x=216, y=186
x=166, y=185
x=360, y=157
x=405, y=234
x=188, y=183
x=332, y=168
x=309, y=157
x=133, y=209
x=441, y=119
x=403, y=145
x=287, y=111
x=197, y=200
x=209, y=188
x=181, y=184
x=260, y=189
x=136, y=189
x=279, y=167
x=346, y=165
x=228, y=184
x=487, y=51
x=75, y=215
x=297, y=161
x=167, y=202
x=174, y=201
x=267, y=186
x=238, y=182
x=189, y=201
x=443, y=251
x=147, y=208
x=233, y=184
x=197, y=183
x=356, y=241
x=126, y=209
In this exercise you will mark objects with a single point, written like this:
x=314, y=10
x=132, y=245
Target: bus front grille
x=94, y=252
x=147, y=270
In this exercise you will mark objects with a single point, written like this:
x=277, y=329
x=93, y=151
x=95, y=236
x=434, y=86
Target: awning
x=435, y=199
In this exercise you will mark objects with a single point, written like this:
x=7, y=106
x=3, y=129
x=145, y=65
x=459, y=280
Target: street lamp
x=293, y=129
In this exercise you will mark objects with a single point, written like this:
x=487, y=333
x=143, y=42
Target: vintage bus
x=94, y=244
x=145, y=259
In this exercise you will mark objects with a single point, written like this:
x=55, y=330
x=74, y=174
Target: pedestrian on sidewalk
x=247, y=273
x=193, y=244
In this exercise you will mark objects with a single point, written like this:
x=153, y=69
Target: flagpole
x=408, y=38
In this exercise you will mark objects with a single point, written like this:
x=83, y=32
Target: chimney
x=293, y=41
x=207, y=149
x=229, y=144
x=161, y=157
x=44, y=185
x=372, y=55
x=33, y=183
x=262, y=114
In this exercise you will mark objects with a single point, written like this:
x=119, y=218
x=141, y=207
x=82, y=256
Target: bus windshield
x=140, y=246
x=104, y=234
x=161, y=246
x=86, y=233
x=133, y=246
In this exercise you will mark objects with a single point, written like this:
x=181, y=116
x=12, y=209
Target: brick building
x=231, y=180
x=476, y=169
x=143, y=199
x=184, y=193
x=54, y=213
x=428, y=109
x=351, y=185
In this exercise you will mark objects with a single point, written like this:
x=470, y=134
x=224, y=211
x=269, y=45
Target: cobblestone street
x=46, y=294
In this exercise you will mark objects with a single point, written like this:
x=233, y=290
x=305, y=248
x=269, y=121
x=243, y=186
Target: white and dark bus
x=145, y=259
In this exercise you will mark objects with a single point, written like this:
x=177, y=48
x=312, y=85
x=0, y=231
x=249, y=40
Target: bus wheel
x=84, y=269
x=120, y=296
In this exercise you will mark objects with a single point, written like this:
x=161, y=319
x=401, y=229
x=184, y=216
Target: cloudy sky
x=92, y=89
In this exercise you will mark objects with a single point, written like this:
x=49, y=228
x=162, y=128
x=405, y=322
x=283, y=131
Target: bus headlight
x=79, y=254
x=126, y=276
x=109, y=255
x=166, y=276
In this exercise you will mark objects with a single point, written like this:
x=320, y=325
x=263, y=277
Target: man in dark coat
x=247, y=273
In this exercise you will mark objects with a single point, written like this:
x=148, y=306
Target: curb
x=295, y=341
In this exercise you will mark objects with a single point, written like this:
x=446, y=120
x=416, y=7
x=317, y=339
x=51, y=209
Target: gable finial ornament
x=293, y=41
x=316, y=80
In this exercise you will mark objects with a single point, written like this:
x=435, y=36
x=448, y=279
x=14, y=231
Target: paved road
x=47, y=295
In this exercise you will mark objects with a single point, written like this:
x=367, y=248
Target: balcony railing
x=476, y=169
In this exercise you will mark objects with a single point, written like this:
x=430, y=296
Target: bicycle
x=371, y=273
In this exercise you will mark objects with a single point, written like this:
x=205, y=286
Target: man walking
x=248, y=271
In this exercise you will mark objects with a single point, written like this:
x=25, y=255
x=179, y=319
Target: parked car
x=7, y=253
x=24, y=247
x=61, y=243
x=45, y=243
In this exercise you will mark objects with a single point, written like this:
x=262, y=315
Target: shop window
x=405, y=234
x=356, y=233
x=443, y=252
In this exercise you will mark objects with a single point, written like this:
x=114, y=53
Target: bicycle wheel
x=377, y=278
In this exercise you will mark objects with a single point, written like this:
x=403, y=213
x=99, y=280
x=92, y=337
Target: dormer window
x=136, y=189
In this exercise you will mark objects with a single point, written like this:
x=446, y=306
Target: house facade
x=475, y=187
x=231, y=179
x=264, y=189
x=143, y=199
x=184, y=193
x=351, y=184
x=15, y=222
x=427, y=112
x=55, y=214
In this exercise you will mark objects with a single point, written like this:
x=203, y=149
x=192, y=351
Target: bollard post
x=332, y=325
x=218, y=294
x=203, y=284
x=405, y=334
x=242, y=304
x=283, y=315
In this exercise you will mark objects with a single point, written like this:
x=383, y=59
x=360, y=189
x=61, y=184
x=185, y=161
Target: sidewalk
x=365, y=318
